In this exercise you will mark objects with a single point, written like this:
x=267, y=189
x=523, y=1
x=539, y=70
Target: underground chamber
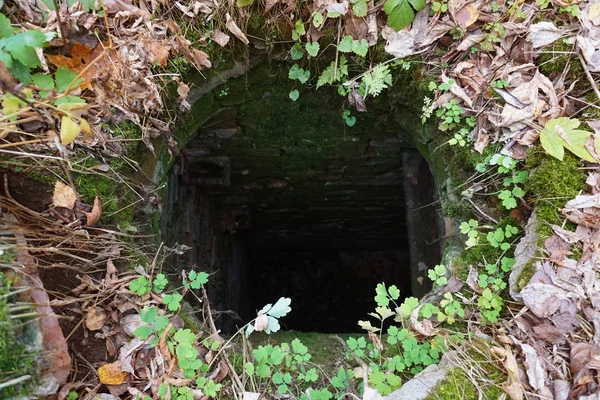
x=276, y=198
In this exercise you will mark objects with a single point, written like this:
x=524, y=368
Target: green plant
x=195, y=280
x=493, y=35
x=348, y=118
x=499, y=84
x=561, y=133
x=450, y=115
x=491, y=305
x=401, y=12
x=470, y=229
x=140, y=286
x=17, y=50
x=438, y=275
x=439, y=6
x=172, y=301
x=160, y=283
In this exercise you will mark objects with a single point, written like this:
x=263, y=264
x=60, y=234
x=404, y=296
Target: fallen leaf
x=557, y=247
x=221, y=38
x=399, y=44
x=111, y=273
x=543, y=299
x=544, y=33
x=68, y=130
x=95, y=318
x=233, y=28
x=536, y=374
x=250, y=396
x=130, y=323
x=581, y=354
x=94, y=216
x=356, y=100
x=269, y=4
x=111, y=374
x=466, y=16
x=512, y=386
x=63, y=196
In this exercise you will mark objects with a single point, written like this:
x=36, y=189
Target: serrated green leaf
x=394, y=292
x=249, y=368
x=21, y=47
x=281, y=308
x=148, y=314
x=317, y=19
x=345, y=45
x=418, y=5
x=312, y=48
x=64, y=77
x=5, y=29
x=360, y=47
x=408, y=306
x=143, y=332
x=401, y=16
x=360, y=8
x=43, y=81
x=294, y=95
x=297, y=52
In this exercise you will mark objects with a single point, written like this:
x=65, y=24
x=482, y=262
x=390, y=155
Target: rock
x=47, y=386
x=423, y=384
x=524, y=252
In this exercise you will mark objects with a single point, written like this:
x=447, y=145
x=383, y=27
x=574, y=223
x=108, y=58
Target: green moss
x=527, y=272
x=325, y=349
x=561, y=56
x=552, y=182
x=459, y=386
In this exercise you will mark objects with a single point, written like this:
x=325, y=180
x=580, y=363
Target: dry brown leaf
x=269, y=4
x=112, y=374
x=162, y=343
x=201, y=59
x=355, y=26
x=557, y=247
x=466, y=16
x=81, y=56
x=512, y=386
x=63, y=196
x=536, y=374
x=399, y=44
x=159, y=53
x=111, y=273
x=95, y=318
x=235, y=30
x=376, y=341
x=543, y=33
x=220, y=38
x=94, y=216
x=356, y=100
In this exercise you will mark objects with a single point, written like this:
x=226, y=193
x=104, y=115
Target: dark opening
x=279, y=199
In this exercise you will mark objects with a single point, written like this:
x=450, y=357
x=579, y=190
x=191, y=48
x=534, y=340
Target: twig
x=214, y=331
x=481, y=212
x=364, y=366
x=589, y=76
x=15, y=381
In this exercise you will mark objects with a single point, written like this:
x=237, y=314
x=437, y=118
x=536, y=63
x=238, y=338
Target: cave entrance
x=281, y=198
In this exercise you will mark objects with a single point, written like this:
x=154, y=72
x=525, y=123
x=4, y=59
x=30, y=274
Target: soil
x=28, y=192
